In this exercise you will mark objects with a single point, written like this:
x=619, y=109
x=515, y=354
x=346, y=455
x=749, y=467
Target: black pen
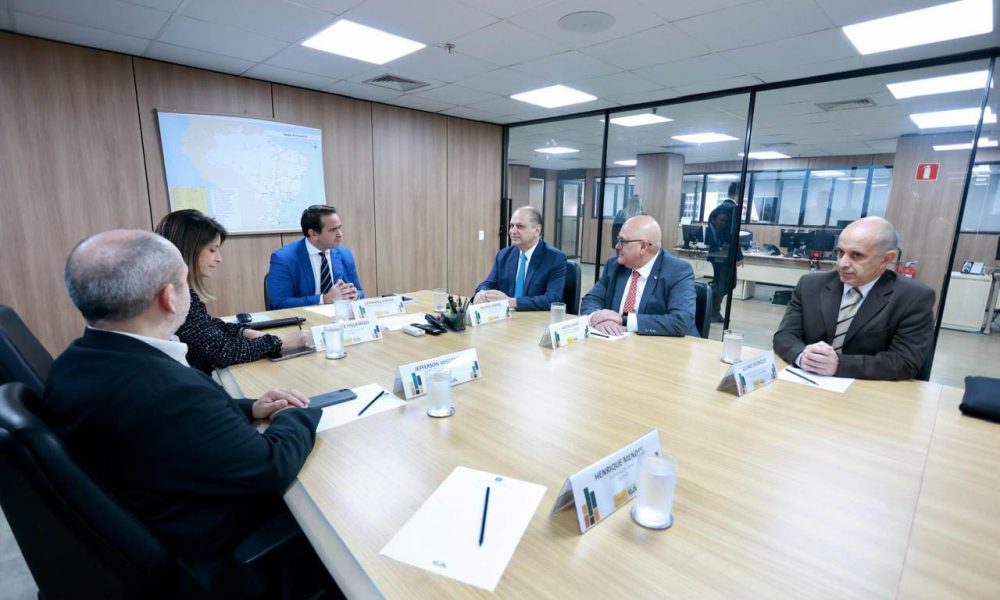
x=451, y=304
x=800, y=375
x=367, y=406
x=486, y=506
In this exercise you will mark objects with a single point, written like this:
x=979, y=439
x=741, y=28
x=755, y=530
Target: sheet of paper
x=257, y=318
x=345, y=412
x=397, y=322
x=443, y=535
x=600, y=335
x=326, y=310
x=832, y=384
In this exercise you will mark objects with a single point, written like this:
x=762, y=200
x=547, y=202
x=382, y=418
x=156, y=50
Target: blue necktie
x=519, y=286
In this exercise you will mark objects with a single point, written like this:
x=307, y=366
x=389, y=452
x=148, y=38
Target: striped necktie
x=325, y=278
x=848, y=308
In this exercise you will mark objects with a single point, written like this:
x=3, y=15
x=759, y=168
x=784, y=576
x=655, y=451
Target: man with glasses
x=644, y=289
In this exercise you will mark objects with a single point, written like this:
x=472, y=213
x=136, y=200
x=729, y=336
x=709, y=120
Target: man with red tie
x=644, y=289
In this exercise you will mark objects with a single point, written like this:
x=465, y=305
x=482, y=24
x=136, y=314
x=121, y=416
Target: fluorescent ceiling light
x=951, y=118
x=822, y=173
x=939, y=85
x=704, y=138
x=875, y=185
x=766, y=155
x=724, y=177
x=981, y=169
x=353, y=40
x=556, y=150
x=626, y=163
x=554, y=96
x=637, y=120
x=925, y=26
x=983, y=143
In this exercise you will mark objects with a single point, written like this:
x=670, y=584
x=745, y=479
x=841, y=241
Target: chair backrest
x=77, y=540
x=267, y=295
x=22, y=356
x=703, y=308
x=571, y=291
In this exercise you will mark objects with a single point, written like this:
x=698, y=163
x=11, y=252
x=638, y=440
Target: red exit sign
x=927, y=171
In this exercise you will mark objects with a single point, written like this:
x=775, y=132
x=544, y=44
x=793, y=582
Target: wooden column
x=658, y=181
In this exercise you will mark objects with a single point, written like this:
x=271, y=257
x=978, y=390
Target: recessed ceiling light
x=925, y=26
x=556, y=150
x=983, y=143
x=981, y=169
x=554, y=96
x=626, y=163
x=823, y=173
x=637, y=120
x=360, y=42
x=939, y=85
x=704, y=138
x=766, y=155
x=724, y=176
x=951, y=118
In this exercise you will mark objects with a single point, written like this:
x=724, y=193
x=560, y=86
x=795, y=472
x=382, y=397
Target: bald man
x=644, y=289
x=862, y=320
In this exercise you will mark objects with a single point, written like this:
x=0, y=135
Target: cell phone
x=331, y=398
x=428, y=328
x=286, y=354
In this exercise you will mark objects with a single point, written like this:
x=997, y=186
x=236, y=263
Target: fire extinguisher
x=908, y=269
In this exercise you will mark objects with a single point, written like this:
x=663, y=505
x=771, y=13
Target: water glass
x=440, y=300
x=333, y=339
x=732, y=346
x=439, y=393
x=342, y=310
x=557, y=312
x=655, y=488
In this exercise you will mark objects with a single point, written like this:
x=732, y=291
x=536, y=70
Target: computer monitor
x=843, y=223
x=998, y=248
x=745, y=238
x=797, y=240
x=692, y=233
x=825, y=240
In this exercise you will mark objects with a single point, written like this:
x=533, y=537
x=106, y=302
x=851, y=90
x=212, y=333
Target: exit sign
x=927, y=171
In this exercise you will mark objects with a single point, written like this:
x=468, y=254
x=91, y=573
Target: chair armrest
x=268, y=537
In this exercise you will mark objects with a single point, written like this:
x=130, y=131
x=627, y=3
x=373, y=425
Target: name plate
x=751, y=374
x=565, y=332
x=410, y=378
x=608, y=484
x=355, y=332
x=377, y=307
x=488, y=312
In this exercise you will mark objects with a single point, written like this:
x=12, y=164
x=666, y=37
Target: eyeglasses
x=622, y=241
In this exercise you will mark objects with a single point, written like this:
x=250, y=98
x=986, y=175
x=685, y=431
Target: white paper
x=604, y=336
x=254, y=318
x=443, y=535
x=345, y=412
x=397, y=322
x=326, y=310
x=832, y=384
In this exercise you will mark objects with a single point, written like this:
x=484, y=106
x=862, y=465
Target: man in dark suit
x=315, y=269
x=530, y=274
x=719, y=238
x=861, y=320
x=644, y=289
x=162, y=437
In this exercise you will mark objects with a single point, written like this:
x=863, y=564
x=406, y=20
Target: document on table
x=443, y=536
x=345, y=412
x=326, y=310
x=604, y=336
x=397, y=322
x=832, y=384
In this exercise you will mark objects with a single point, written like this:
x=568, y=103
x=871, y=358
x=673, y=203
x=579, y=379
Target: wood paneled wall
x=978, y=247
x=517, y=185
x=658, y=182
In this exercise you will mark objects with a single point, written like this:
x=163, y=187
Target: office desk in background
x=756, y=268
x=885, y=491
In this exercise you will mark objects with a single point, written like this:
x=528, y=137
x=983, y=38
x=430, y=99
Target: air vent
x=400, y=84
x=845, y=104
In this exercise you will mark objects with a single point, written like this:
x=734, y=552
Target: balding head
x=865, y=249
x=639, y=241
x=115, y=276
x=877, y=230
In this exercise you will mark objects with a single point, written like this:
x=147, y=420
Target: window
x=691, y=189
x=716, y=190
x=776, y=196
x=616, y=192
x=982, y=205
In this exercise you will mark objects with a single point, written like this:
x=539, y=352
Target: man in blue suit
x=644, y=289
x=531, y=274
x=315, y=269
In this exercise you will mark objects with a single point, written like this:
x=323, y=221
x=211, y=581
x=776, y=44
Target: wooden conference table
x=884, y=491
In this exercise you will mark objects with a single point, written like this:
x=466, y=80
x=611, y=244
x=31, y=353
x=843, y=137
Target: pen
x=599, y=333
x=367, y=406
x=486, y=506
x=800, y=375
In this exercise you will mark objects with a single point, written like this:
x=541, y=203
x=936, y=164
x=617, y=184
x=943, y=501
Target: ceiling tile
x=504, y=82
x=78, y=34
x=505, y=44
x=282, y=21
x=642, y=97
x=629, y=16
x=564, y=67
x=197, y=58
x=300, y=58
x=465, y=112
x=771, y=19
x=933, y=50
x=287, y=76
x=848, y=12
x=652, y=46
x=505, y=8
x=219, y=39
x=456, y=94
x=504, y=106
x=826, y=45
x=418, y=103
x=428, y=22
x=616, y=84
x=675, y=10
x=109, y=15
x=820, y=68
x=438, y=63
x=709, y=67
x=167, y=5
x=331, y=6
x=364, y=91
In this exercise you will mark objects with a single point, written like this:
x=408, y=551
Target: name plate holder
x=606, y=485
x=488, y=312
x=564, y=333
x=356, y=331
x=751, y=374
x=378, y=307
x=410, y=380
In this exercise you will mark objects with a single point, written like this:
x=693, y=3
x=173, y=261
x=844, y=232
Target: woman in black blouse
x=213, y=343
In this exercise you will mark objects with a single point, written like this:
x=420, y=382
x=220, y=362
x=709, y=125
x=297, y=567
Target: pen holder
x=454, y=322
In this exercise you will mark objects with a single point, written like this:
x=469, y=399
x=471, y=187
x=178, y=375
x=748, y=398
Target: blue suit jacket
x=668, y=300
x=543, y=283
x=290, y=279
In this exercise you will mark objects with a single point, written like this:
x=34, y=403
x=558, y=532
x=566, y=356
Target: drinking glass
x=655, y=488
x=732, y=346
x=557, y=312
x=333, y=339
x=440, y=300
x=342, y=310
x=439, y=393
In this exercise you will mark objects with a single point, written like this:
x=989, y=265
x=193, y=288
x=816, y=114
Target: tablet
x=286, y=354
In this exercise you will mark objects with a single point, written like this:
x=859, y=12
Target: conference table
x=790, y=491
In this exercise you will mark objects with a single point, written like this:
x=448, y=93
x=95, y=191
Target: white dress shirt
x=315, y=261
x=640, y=286
x=174, y=348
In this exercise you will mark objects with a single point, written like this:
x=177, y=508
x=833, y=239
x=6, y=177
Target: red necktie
x=630, y=297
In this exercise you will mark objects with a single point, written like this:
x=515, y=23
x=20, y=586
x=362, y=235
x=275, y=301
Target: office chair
x=924, y=374
x=267, y=295
x=22, y=356
x=571, y=291
x=703, y=308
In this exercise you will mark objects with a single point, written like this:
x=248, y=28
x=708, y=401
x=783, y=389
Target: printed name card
x=565, y=332
x=751, y=374
x=488, y=312
x=608, y=484
x=355, y=332
x=411, y=378
x=377, y=307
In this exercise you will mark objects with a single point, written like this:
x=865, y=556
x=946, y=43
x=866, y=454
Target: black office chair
x=571, y=291
x=22, y=356
x=924, y=374
x=703, y=308
x=267, y=295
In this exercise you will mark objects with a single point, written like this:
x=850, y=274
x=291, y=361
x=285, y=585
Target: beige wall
x=79, y=154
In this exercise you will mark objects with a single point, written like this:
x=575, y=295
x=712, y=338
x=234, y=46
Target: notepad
x=345, y=412
x=831, y=384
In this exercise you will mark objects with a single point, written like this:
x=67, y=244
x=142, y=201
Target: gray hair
x=114, y=276
x=534, y=215
x=887, y=238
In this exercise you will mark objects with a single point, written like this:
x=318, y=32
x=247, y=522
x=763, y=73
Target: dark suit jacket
x=667, y=304
x=171, y=445
x=290, y=278
x=888, y=339
x=543, y=283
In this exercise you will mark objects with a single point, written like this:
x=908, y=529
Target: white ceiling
x=655, y=50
